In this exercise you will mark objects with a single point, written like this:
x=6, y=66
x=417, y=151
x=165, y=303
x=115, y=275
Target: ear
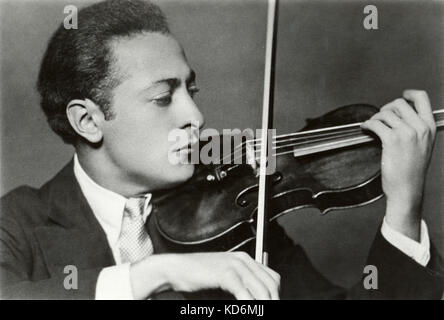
x=85, y=118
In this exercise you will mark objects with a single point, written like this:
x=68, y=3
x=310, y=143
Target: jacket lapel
x=72, y=236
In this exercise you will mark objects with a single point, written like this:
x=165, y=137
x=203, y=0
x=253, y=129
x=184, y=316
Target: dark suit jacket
x=42, y=231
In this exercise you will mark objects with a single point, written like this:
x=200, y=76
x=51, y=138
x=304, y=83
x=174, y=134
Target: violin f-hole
x=241, y=199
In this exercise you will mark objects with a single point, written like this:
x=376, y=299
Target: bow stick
x=261, y=254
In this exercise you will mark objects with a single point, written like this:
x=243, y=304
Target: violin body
x=220, y=215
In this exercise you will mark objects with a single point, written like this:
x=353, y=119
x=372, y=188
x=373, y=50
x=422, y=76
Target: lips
x=189, y=146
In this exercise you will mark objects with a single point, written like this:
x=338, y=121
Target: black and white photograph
x=221, y=150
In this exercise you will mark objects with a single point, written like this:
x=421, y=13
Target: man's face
x=155, y=96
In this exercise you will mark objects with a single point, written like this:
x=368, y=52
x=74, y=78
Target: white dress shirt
x=108, y=207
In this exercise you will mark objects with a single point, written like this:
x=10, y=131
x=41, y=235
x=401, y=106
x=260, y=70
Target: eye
x=193, y=90
x=163, y=101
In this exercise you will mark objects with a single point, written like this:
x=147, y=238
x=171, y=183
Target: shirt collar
x=107, y=205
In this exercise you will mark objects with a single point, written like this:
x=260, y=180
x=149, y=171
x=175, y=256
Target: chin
x=180, y=174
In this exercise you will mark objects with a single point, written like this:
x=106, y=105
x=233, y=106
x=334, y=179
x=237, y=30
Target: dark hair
x=78, y=62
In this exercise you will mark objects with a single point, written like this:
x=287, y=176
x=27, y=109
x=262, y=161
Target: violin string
x=304, y=135
x=438, y=115
x=352, y=141
x=353, y=137
x=311, y=141
x=439, y=119
x=313, y=138
x=333, y=134
x=343, y=130
x=310, y=133
x=309, y=150
x=318, y=148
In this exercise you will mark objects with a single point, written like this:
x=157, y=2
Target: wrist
x=405, y=218
x=149, y=276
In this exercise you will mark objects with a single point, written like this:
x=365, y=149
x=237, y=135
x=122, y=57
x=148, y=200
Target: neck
x=102, y=170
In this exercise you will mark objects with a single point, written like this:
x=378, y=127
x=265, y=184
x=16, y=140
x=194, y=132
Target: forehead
x=149, y=57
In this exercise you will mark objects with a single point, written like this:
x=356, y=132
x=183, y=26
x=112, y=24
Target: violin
x=332, y=163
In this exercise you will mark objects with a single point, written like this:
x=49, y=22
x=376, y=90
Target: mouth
x=184, y=154
x=184, y=150
x=189, y=147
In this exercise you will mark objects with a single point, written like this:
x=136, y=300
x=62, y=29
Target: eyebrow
x=175, y=82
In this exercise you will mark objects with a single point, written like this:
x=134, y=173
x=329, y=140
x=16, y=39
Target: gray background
x=325, y=59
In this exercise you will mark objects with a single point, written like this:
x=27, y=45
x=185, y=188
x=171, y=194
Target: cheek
x=138, y=145
x=138, y=141
x=136, y=134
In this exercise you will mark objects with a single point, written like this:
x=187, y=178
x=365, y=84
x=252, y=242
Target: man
x=114, y=89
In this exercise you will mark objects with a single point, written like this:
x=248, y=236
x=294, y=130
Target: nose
x=189, y=114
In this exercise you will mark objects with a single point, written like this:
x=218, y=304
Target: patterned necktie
x=134, y=241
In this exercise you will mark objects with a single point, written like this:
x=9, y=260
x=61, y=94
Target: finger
x=422, y=104
x=409, y=116
x=257, y=266
x=384, y=133
x=276, y=276
x=403, y=129
x=254, y=283
x=270, y=277
x=276, y=283
x=235, y=286
x=244, y=294
x=389, y=118
x=246, y=258
x=401, y=108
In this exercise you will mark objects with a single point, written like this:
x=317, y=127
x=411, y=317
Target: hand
x=407, y=138
x=234, y=272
